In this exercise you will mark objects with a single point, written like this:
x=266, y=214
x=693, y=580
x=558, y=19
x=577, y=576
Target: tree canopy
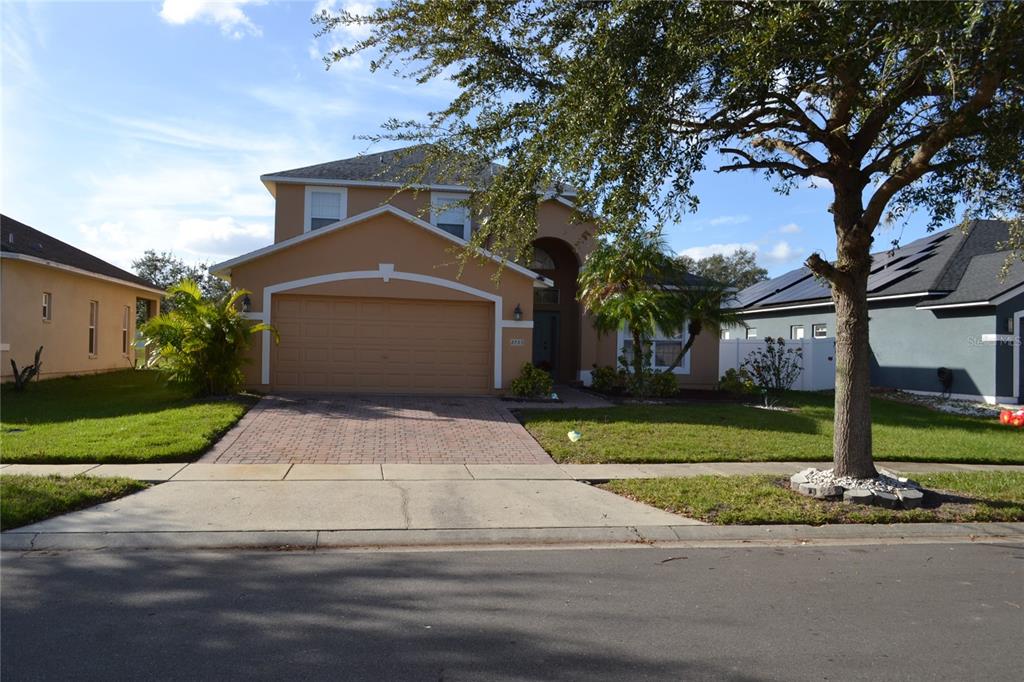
x=897, y=106
x=165, y=270
x=738, y=269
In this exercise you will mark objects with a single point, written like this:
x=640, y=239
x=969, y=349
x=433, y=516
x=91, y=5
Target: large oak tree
x=896, y=106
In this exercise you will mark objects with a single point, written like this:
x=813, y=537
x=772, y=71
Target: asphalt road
x=836, y=613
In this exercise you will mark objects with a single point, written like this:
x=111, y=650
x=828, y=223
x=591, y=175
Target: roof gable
x=225, y=267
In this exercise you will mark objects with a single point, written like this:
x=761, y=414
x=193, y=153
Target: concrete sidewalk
x=425, y=472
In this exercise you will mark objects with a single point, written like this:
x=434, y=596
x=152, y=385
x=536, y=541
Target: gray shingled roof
x=17, y=237
x=940, y=262
x=393, y=166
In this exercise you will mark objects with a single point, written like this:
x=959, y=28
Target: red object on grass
x=1005, y=416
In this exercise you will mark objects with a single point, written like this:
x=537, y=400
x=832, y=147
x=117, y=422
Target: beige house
x=79, y=308
x=363, y=287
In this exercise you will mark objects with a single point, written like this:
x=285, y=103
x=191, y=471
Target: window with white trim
x=725, y=334
x=125, y=325
x=664, y=348
x=751, y=332
x=819, y=331
x=94, y=318
x=450, y=213
x=47, y=306
x=325, y=206
x=796, y=332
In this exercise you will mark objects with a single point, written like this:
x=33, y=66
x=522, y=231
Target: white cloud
x=198, y=136
x=789, y=228
x=780, y=253
x=729, y=220
x=226, y=14
x=698, y=252
x=352, y=32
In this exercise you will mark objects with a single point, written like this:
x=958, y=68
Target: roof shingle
x=18, y=238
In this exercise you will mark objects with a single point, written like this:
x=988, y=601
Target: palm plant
x=201, y=342
x=701, y=305
x=619, y=285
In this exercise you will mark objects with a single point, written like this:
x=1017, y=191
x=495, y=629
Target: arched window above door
x=542, y=260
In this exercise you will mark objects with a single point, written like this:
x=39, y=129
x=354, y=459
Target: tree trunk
x=852, y=439
x=638, y=365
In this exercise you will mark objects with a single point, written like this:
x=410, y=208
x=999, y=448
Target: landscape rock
x=859, y=496
x=887, y=500
x=911, y=499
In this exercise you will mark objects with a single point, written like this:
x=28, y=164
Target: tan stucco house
x=80, y=309
x=363, y=287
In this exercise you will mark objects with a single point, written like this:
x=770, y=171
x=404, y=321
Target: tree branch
x=822, y=268
x=938, y=138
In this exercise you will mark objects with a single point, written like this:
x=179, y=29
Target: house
x=363, y=287
x=80, y=309
x=938, y=302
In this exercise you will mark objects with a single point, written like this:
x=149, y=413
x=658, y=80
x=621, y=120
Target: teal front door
x=545, y=340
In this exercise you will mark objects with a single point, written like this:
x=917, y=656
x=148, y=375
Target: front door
x=545, y=340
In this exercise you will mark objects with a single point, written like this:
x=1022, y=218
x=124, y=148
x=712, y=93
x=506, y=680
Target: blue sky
x=136, y=125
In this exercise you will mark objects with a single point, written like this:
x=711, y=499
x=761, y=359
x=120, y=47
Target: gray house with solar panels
x=943, y=319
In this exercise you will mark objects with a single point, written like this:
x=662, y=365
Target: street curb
x=665, y=536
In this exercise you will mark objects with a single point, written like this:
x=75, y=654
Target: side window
x=94, y=318
x=819, y=331
x=125, y=324
x=325, y=206
x=47, y=306
x=751, y=332
x=796, y=331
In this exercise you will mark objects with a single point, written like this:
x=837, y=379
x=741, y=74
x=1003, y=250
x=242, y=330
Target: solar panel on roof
x=876, y=282
x=770, y=287
x=809, y=289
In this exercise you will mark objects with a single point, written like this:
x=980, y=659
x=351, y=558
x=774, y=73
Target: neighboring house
x=80, y=309
x=363, y=287
x=938, y=302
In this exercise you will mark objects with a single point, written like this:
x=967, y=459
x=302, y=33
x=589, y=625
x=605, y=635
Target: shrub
x=774, y=368
x=531, y=383
x=736, y=381
x=662, y=385
x=608, y=379
x=201, y=343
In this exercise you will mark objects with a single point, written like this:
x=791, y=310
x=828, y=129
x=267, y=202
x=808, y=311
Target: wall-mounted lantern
x=246, y=303
x=517, y=314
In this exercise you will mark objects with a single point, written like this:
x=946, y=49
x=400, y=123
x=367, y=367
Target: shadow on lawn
x=97, y=396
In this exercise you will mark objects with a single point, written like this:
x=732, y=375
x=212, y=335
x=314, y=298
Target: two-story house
x=364, y=289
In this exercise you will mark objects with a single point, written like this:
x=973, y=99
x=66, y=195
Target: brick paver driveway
x=348, y=429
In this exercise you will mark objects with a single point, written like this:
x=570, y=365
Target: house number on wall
x=517, y=342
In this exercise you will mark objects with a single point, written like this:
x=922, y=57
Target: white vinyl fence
x=819, y=371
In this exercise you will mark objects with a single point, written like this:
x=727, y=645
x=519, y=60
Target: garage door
x=331, y=343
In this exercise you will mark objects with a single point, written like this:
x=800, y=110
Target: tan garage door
x=331, y=343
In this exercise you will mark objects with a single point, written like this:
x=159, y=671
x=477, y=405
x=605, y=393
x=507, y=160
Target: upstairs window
x=94, y=318
x=47, y=306
x=325, y=206
x=448, y=212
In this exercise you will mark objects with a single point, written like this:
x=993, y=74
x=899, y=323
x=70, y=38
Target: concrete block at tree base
x=859, y=496
x=887, y=500
x=911, y=499
x=821, y=492
x=797, y=480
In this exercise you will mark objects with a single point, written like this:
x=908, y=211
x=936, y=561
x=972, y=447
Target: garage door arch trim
x=385, y=272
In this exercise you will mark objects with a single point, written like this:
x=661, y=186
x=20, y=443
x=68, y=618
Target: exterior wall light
x=517, y=314
x=246, y=303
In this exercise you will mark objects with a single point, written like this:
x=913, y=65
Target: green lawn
x=128, y=416
x=727, y=500
x=730, y=432
x=26, y=499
